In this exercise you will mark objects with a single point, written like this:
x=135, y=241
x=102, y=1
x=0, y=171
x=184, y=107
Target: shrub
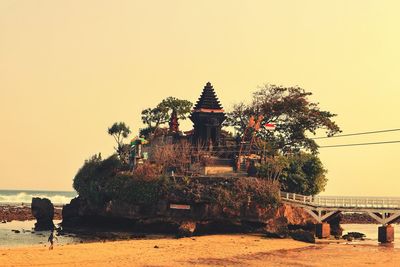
x=300, y=173
x=262, y=192
x=91, y=179
x=101, y=181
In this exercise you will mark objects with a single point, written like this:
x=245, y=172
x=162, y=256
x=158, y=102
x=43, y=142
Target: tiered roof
x=208, y=100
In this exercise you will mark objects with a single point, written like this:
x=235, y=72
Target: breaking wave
x=26, y=196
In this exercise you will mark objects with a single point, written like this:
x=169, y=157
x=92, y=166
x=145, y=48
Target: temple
x=207, y=117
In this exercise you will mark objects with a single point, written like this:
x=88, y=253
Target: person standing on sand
x=51, y=239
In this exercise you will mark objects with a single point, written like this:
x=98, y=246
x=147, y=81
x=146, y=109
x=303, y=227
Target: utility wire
x=360, y=133
x=363, y=144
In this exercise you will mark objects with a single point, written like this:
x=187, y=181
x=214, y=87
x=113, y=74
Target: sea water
x=25, y=196
x=371, y=232
x=28, y=237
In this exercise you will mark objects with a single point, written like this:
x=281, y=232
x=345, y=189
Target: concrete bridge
x=384, y=210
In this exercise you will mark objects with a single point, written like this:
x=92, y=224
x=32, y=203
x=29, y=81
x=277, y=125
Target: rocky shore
x=18, y=212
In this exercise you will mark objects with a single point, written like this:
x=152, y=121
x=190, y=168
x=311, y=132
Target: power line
x=363, y=144
x=360, y=133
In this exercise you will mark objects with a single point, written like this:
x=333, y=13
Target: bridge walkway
x=385, y=210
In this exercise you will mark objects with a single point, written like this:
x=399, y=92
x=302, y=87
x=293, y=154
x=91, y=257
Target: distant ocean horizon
x=25, y=196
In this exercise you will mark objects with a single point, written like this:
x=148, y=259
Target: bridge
x=385, y=210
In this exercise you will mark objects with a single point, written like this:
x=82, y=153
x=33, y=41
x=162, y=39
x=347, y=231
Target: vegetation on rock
x=301, y=173
x=100, y=181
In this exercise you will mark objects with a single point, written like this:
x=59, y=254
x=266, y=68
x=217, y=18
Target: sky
x=69, y=69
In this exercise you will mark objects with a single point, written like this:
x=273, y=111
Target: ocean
x=25, y=196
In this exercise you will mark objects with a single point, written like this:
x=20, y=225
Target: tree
x=301, y=173
x=120, y=131
x=294, y=115
x=272, y=167
x=154, y=117
x=304, y=174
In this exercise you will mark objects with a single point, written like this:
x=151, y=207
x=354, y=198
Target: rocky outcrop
x=301, y=235
x=43, y=211
x=285, y=216
x=336, y=229
x=201, y=218
x=12, y=212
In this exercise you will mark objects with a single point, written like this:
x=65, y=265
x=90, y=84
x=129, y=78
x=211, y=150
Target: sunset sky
x=69, y=69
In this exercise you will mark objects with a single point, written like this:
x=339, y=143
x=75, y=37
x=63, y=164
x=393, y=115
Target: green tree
x=304, y=174
x=294, y=115
x=120, y=131
x=154, y=117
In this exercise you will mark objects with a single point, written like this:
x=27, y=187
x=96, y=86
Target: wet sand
x=213, y=250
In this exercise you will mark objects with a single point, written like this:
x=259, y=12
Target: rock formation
x=202, y=218
x=43, y=211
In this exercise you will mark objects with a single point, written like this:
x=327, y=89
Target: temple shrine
x=207, y=117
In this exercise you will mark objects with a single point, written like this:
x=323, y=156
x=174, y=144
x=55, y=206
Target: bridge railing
x=344, y=202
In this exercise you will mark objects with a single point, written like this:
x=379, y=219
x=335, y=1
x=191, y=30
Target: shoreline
x=213, y=250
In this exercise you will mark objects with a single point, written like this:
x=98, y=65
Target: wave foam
x=24, y=197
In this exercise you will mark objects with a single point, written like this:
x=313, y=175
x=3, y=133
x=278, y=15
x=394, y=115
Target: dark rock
x=156, y=246
x=10, y=213
x=71, y=212
x=350, y=236
x=201, y=218
x=43, y=211
x=336, y=229
x=302, y=235
x=16, y=231
x=186, y=229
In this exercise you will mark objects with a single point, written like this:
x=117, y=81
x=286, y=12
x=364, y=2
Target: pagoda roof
x=208, y=100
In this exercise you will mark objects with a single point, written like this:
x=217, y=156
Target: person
x=51, y=239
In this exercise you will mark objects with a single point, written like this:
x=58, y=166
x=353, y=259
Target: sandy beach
x=214, y=250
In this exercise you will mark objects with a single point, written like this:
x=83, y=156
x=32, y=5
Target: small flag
x=269, y=126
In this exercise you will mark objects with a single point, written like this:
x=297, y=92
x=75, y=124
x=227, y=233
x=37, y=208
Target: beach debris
x=156, y=246
x=3, y=221
x=16, y=231
x=43, y=211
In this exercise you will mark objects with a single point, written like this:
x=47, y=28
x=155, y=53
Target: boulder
x=43, y=211
x=350, y=236
x=186, y=229
x=279, y=219
x=301, y=235
x=336, y=229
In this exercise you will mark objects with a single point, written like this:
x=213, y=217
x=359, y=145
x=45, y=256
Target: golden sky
x=69, y=69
